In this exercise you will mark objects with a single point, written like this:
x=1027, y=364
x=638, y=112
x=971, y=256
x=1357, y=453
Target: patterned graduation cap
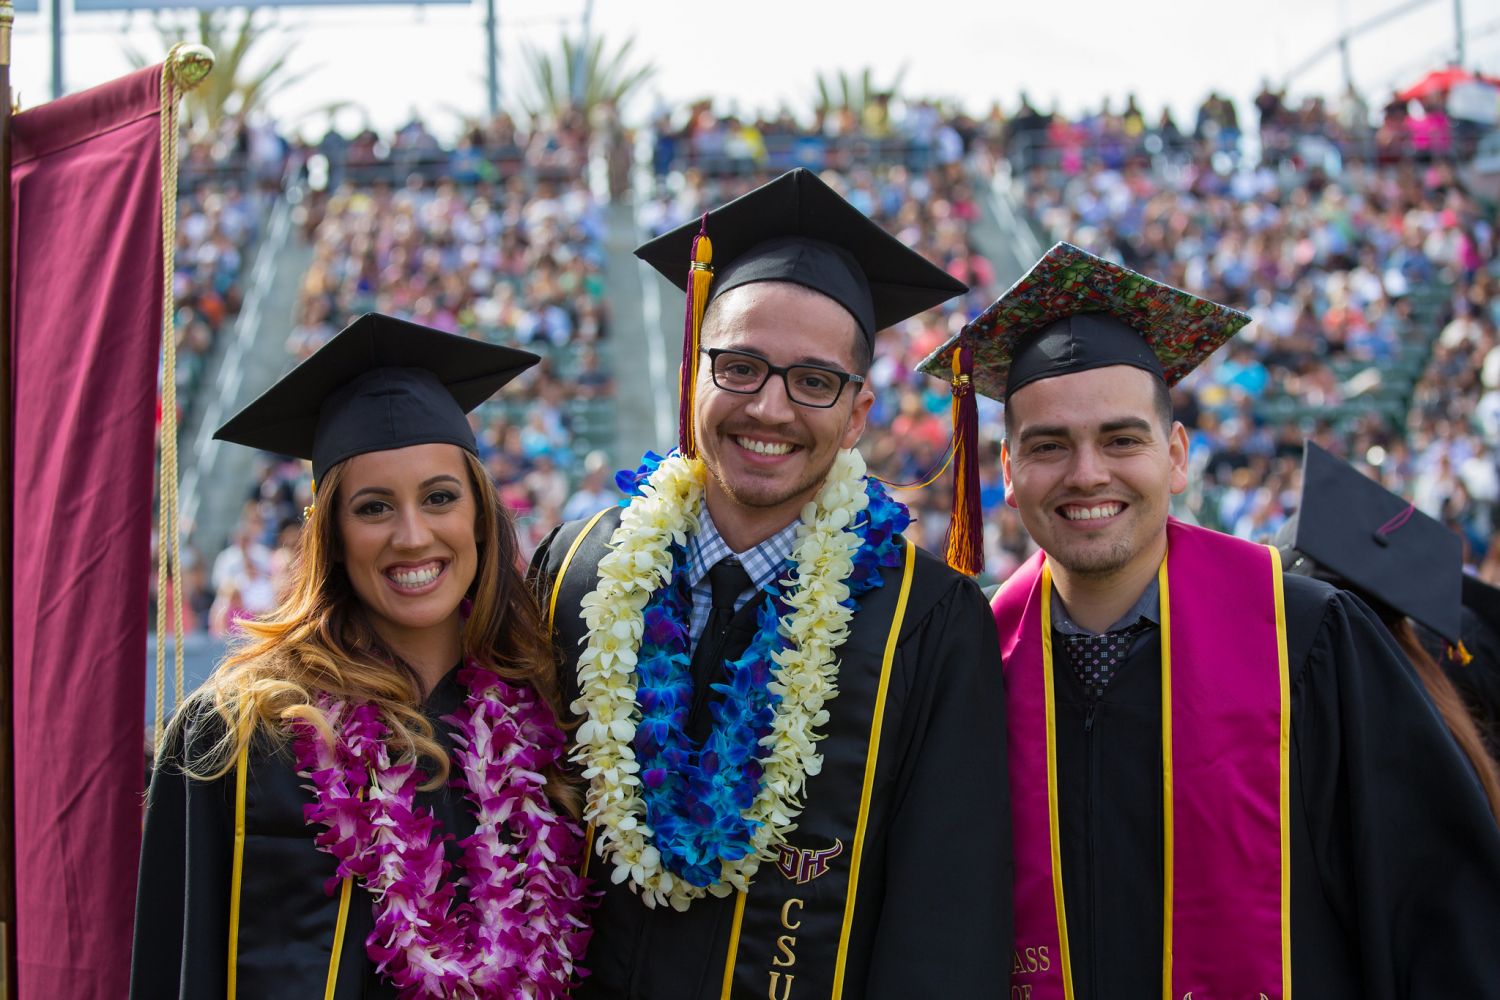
x=1181, y=329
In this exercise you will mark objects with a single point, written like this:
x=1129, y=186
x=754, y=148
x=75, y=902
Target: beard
x=763, y=494
x=1104, y=557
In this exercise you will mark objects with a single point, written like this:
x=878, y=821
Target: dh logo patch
x=801, y=864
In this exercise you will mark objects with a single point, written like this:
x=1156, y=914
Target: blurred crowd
x=1365, y=262
x=511, y=254
x=1350, y=238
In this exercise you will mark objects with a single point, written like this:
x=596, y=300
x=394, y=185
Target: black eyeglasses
x=809, y=385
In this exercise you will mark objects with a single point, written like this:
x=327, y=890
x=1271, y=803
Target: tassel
x=700, y=276
x=1460, y=655
x=966, y=534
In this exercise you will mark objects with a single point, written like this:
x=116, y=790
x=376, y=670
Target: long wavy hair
x=319, y=641
x=1451, y=707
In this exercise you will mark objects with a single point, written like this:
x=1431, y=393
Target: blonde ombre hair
x=318, y=641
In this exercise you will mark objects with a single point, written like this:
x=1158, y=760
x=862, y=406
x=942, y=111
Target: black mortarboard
x=1366, y=539
x=798, y=229
x=381, y=383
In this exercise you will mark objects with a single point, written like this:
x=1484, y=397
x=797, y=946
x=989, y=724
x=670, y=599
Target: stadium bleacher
x=1366, y=263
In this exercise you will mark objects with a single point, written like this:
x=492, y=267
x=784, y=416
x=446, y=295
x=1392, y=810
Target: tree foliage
x=844, y=92
x=606, y=77
x=234, y=88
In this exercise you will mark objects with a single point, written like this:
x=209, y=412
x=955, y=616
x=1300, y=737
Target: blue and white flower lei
x=680, y=821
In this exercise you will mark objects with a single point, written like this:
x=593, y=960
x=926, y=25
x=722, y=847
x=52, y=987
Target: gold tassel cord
x=700, y=277
x=184, y=68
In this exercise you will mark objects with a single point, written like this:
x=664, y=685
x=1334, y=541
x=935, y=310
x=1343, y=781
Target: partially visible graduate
x=1407, y=568
x=792, y=716
x=367, y=799
x=1477, y=677
x=1226, y=780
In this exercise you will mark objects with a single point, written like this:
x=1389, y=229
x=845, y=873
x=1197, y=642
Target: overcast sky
x=762, y=53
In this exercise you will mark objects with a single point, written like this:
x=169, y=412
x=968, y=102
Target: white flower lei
x=640, y=561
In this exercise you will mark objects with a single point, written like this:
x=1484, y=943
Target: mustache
x=1073, y=496
x=787, y=432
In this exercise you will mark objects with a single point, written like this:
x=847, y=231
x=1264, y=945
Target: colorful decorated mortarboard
x=380, y=384
x=795, y=229
x=1073, y=311
x=1361, y=537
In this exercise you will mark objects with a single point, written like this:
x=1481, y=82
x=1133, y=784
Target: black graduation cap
x=1378, y=545
x=381, y=383
x=798, y=229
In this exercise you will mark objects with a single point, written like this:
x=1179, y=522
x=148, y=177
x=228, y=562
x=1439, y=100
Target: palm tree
x=848, y=93
x=232, y=89
x=606, y=78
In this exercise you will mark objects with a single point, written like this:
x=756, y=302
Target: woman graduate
x=1355, y=534
x=366, y=800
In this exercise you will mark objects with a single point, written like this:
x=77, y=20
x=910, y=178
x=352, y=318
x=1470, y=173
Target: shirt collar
x=1147, y=606
x=763, y=562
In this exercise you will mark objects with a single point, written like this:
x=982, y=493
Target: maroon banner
x=87, y=322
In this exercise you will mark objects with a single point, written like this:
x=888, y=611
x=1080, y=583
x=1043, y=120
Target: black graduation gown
x=1395, y=857
x=286, y=921
x=933, y=914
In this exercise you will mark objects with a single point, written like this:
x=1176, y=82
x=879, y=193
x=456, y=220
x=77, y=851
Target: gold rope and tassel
x=700, y=277
x=184, y=68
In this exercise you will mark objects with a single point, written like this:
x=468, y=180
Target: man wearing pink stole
x=1226, y=782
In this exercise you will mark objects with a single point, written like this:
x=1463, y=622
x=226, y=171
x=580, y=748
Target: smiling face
x=763, y=450
x=406, y=520
x=1091, y=468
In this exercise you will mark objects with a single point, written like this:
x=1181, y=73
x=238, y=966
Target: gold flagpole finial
x=189, y=64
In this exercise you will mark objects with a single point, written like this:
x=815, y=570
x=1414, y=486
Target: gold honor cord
x=871, y=759
x=241, y=776
x=183, y=69
x=734, y=944
x=557, y=582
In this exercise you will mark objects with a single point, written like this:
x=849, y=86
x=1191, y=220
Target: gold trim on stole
x=1169, y=831
x=1286, y=779
x=1052, y=824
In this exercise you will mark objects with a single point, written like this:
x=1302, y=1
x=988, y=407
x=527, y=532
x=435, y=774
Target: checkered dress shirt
x=707, y=547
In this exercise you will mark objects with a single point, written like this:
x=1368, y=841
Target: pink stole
x=1226, y=729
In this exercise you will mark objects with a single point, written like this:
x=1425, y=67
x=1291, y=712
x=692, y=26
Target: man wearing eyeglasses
x=887, y=876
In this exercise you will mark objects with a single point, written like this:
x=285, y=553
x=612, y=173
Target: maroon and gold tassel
x=700, y=276
x=966, y=535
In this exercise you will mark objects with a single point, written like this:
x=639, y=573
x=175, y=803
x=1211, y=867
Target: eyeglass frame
x=714, y=353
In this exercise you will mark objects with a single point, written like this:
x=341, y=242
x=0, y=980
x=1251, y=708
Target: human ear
x=1177, y=448
x=1010, y=493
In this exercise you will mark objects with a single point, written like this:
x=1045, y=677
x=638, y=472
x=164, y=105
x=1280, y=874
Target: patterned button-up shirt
x=762, y=562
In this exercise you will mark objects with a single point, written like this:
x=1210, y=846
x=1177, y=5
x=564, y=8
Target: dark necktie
x=727, y=580
x=1096, y=658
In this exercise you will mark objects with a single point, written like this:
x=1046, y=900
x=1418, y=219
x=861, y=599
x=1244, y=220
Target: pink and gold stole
x=1226, y=730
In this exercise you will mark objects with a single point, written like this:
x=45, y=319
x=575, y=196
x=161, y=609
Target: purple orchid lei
x=522, y=931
